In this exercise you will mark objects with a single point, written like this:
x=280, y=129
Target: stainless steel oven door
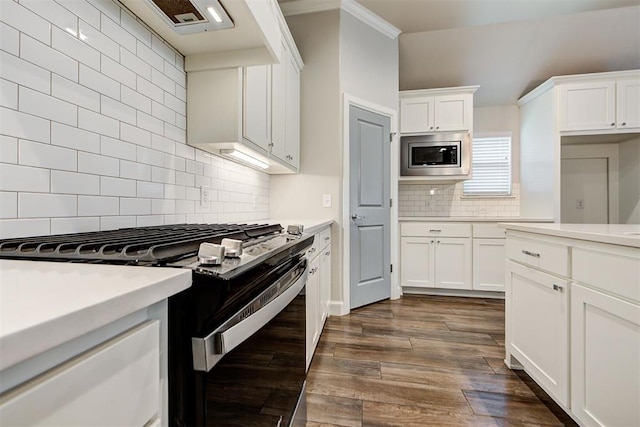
x=208, y=351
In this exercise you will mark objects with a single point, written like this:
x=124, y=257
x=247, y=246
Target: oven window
x=434, y=155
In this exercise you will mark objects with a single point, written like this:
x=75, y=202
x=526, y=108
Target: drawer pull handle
x=557, y=288
x=533, y=254
x=327, y=238
x=435, y=231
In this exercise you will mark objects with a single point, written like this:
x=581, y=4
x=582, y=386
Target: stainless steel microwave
x=435, y=154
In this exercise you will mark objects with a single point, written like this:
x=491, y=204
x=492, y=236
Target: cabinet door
x=605, y=359
x=588, y=106
x=257, y=105
x=312, y=294
x=453, y=263
x=628, y=103
x=453, y=112
x=325, y=284
x=417, y=115
x=417, y=261
x=292, y=112
x=537, y=327
x=488, y=264
x=278, y=105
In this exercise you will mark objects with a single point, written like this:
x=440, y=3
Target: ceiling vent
x=192, y=16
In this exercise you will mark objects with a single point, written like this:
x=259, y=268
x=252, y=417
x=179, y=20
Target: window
x=490, y=166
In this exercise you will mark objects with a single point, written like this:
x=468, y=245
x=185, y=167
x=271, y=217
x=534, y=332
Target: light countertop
x=44, y=304
x=311, y=226
x=471, y=219
x=616, y=234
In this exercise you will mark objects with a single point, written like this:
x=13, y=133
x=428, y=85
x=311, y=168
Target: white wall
x=93, y=127
x=629, y=178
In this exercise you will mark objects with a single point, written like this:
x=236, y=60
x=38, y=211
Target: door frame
x=348, y=101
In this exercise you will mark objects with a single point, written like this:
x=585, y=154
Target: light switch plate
x=326, y=200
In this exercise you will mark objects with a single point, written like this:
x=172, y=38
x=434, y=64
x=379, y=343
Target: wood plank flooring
x=422, y=361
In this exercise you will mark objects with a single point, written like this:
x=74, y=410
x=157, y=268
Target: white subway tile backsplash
x=54, y=13
x=145, y=53
x=117, y=187
x=9, y=39
x=24, y=20
x=23, y=72
x=151, y=190
x=118, y=34
x=10, y=228
x=71, y=137
x=135, y=135
x=98, y=205
x=132, y=25
x=74, y=183
x=115, y=222
x=8, y=205
x=8, y=149
x=82, y=9
x=135, y=100
x=163, y=144
x=71, y=46
x=74, y=93
x=99, y=82
x=98, y=165
x=131, y=206
x=8, y=94
x=150, y=123
x=47, y=156
x=150, y=90
x=133, y=170
x=118, y=72
x=98, y=123
x=74, y=225
x=116, y=148
x=94, y=38
x=24, y=126
x=100, y=109
x=47, y=107
x=159, y=79
x=41, y=205
x=117, y=110
x=163, y=113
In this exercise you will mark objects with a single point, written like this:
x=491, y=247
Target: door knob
x=355, y=217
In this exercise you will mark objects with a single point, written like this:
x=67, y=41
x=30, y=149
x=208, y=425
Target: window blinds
x=491, y=167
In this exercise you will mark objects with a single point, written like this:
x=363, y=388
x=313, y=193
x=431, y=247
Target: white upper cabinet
x=256, y=123
x=437, y=110
x=609, y=105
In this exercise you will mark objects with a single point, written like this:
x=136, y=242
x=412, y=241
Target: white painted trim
x=454, y=292
x=396, y=290
x=299, y=7
x=439, y=91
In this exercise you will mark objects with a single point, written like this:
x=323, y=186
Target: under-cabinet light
x=245, y=158
x=213, y=13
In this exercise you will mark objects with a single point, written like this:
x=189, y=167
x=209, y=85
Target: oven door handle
x=208, y=351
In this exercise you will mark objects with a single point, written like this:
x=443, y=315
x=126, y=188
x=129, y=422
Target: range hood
x=248, y=33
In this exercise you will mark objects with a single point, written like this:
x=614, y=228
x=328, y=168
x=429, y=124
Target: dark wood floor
x=422, y=361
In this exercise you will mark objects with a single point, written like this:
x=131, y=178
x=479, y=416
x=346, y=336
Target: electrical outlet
x=579, y=204
x=254, y=200
x=205, y=195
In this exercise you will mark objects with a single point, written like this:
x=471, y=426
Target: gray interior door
x=370, y=239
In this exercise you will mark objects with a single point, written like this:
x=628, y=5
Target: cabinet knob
x=613, y=124
x=431, y=128
x=624, y=124
x=432, y=241
x=437, y=127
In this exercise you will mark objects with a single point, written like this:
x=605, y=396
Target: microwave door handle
x=208, y=351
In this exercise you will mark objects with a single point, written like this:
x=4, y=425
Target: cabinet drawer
x=116, y=383
x=488, y=231
x=437, y=229
x=546, y=255
x=324, y=238
x=615, y=270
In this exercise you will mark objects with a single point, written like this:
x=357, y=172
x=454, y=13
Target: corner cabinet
x=437, y=110
x=253, y=109
x=318, y=289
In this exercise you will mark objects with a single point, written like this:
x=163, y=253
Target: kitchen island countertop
x=45, y=304
x=616, y=234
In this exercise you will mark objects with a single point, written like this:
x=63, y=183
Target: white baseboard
x=452, y=292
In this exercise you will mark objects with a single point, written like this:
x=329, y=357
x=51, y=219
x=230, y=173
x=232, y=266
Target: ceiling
x=509, y=46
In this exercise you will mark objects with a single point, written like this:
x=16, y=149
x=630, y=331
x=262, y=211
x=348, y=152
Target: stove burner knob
x=232, y=248
x=210, y=254
x=295, y=229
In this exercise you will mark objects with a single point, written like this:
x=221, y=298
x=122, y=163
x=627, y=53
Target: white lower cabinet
x=488, y=265
x=537, y=329
x=442, y=262
x=605, y=358
x=318, y=289
x=116, y=383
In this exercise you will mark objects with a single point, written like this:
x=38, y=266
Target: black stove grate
x=155, y=244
